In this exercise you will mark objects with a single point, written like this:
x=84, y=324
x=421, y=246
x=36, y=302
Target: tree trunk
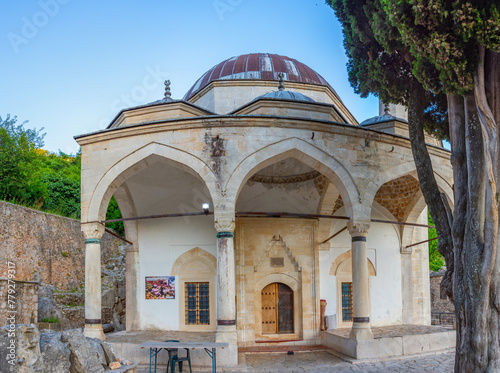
x=428, y=184
x=477, y=272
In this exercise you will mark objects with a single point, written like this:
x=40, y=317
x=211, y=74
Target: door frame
x=276, y=307
x=293, y=284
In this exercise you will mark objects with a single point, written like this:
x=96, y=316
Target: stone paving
x=324, y=362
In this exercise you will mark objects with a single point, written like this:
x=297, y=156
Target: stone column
x=131, y=278
x=226, y=289
x=93, y=323
x=406, y=286
x=360, y=284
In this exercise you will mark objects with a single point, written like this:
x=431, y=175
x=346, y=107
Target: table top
x=181, y=344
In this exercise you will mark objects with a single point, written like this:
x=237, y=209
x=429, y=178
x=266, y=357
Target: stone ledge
x=390, y=345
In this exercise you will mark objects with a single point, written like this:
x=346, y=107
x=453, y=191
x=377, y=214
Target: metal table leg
x=213, y=356
x=153, y=352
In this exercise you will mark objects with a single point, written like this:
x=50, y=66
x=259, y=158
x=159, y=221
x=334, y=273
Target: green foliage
x=17, y=155
x=51, y=320
x=36, y=178
x=436, y=260
x=443, y=37
x=114, y=213
x=379, y=62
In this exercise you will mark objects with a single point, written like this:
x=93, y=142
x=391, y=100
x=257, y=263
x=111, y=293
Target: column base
x=94, y=331
x=228, y=356
x=361, y=331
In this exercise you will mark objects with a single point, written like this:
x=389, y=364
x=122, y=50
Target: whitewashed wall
x=384, y=253
x=161, y=242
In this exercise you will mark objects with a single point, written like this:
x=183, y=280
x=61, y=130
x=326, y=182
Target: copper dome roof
x=258, y=66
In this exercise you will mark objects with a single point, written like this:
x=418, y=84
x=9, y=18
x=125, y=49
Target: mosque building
x=253, y=201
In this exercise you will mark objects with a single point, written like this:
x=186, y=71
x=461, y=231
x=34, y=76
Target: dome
x=287, y=95
x=258, y=66
x=387, y=117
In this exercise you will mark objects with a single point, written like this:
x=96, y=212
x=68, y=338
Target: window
x=197, y=303
x=346, y=301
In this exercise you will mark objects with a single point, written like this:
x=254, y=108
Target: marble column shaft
x=93, y=322
x=360, y=282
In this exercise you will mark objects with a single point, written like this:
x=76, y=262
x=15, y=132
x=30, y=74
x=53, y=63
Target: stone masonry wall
x=396, y=195
x=24, y=297
x=443, y=310
x=48, y=245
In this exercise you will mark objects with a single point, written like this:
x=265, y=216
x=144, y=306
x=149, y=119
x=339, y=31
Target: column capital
x=358, y=229
x=224, y=223
x=92, y=231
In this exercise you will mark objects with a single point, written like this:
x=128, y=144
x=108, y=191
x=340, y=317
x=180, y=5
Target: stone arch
x=304, y=152
x=194, y=255
x=347, y=256
x=139, y=160
x=398, y=171
x=286, y=279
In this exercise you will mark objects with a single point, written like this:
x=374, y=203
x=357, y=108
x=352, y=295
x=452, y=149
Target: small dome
x=387, y=117
x=258, y=66
x=287, y=95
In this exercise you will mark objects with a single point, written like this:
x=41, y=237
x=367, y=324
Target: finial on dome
x=387, y=111
x=168, y=95
x=281, y=87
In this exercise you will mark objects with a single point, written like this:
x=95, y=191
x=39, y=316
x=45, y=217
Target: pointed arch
x=347, y=256
x=195, y=254
x=398, y=171
x=137, y=161
x=304, y=152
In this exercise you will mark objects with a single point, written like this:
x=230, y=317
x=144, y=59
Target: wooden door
x=277, y=309
x=269, y=311
x=285, y=309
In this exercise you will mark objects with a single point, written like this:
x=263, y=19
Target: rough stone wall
x=397, y=195
x=442, y=309
x=50, y=245
x=25, y=302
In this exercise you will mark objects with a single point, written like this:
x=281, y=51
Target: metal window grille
x=347, y=301
x=197, y=303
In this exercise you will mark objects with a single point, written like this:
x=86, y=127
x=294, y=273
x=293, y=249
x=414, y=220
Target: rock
x=108, y=298
x=98, y=350
x=73, y=317
x=55, y=353
x=82, y=358
x=122, y=290
x=108, y=328
x=117, y=321
x=47, y=307
x=108, y=353
x=20, y=349
x=35, y=277
x=46, y=291
x=107, y=315
x=115, y=365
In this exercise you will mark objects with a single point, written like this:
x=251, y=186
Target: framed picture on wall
x=160, y=287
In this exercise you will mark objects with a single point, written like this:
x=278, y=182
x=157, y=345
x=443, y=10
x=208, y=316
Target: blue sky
x=71, y=65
